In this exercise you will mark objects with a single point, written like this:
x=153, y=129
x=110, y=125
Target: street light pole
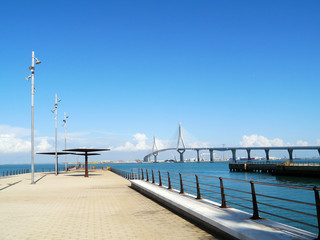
x=65, y=139
x=32, y=68
x=55, y=110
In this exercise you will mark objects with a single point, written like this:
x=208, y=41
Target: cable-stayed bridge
x=181, y=150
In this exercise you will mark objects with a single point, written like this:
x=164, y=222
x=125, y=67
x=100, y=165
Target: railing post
x=160, y=182
x=152, y=176
x=169, y=181
x=223, y=196
x=198, y=188
x=142, y=174
x=181, y=184
x=147, y=175
x=254, y=202
x=316, y=195
x=139, y=173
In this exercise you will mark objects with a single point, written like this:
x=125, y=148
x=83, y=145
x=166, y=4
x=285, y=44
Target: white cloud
x=12, y=140
x=255, y=140
x=10, y=143
x=43, y=145
x=139, y=143
x=302, y=143
x=16, y=131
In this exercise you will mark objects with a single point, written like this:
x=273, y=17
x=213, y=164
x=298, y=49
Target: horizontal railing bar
x=287, y=209
x=289, y=219
x=174, y=178
x=238, y=198
x=175, y=182
x=189, y=191
x=239, y=205
x=237, y=190
x=210, y=196
x=188, y=181
x=285, y=199
x=261, y=183
x=206, y=190
x=188, y=185
x=209, y=185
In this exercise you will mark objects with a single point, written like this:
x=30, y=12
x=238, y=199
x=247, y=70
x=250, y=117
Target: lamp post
x=32, y=68
x=65, y=138
x=55, y=110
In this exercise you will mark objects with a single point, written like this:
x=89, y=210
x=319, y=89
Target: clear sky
x=232, y=72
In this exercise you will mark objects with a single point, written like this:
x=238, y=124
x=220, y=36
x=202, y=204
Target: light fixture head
x=53, y=110
x=27, y=78
x=37, y=61
x=59, y=100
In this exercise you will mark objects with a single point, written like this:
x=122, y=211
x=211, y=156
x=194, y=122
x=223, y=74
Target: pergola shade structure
x=86, y=152
x=54, y=153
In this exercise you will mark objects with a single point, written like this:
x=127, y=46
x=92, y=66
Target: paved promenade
x=70, y=206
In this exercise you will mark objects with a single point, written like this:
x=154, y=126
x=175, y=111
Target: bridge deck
x=70, y=206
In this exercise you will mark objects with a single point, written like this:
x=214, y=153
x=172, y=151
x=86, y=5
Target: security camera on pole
x=32, y=68
x=55, y=110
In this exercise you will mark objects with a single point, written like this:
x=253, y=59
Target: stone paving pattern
x=69, y=206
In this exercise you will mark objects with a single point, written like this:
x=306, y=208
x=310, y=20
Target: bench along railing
x=248, y=195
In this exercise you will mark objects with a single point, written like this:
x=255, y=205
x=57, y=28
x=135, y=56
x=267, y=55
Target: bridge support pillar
x=290, y=150
x=181, y=151
x=249, y=151
x=211, y=155
x=198, y=155
x=234, y=156
x=319, y=151
x=267, y=154
x=155, y=157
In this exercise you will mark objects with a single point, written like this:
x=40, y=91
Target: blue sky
x=126, y=70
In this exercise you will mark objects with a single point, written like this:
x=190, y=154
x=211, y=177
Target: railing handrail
x=196, y=191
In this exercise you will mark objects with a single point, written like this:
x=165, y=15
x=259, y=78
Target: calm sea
x=221, y=169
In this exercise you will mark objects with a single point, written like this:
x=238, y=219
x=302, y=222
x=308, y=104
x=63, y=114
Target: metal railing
x=13, y=172
x=250, y=196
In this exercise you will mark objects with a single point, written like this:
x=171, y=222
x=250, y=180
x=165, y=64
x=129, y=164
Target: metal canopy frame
x=86, y=152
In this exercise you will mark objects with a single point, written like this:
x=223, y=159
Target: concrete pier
x=284, y=169
x=69, y=206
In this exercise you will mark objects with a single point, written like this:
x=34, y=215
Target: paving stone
x=69, y=206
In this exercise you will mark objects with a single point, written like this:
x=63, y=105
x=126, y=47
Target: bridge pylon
x=154, y=149
x=180, y=139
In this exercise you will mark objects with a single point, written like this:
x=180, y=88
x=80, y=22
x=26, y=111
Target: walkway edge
x=230, y=222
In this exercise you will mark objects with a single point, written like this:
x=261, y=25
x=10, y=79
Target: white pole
x=32, y=119
x=56, y=133
x=65, y=140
